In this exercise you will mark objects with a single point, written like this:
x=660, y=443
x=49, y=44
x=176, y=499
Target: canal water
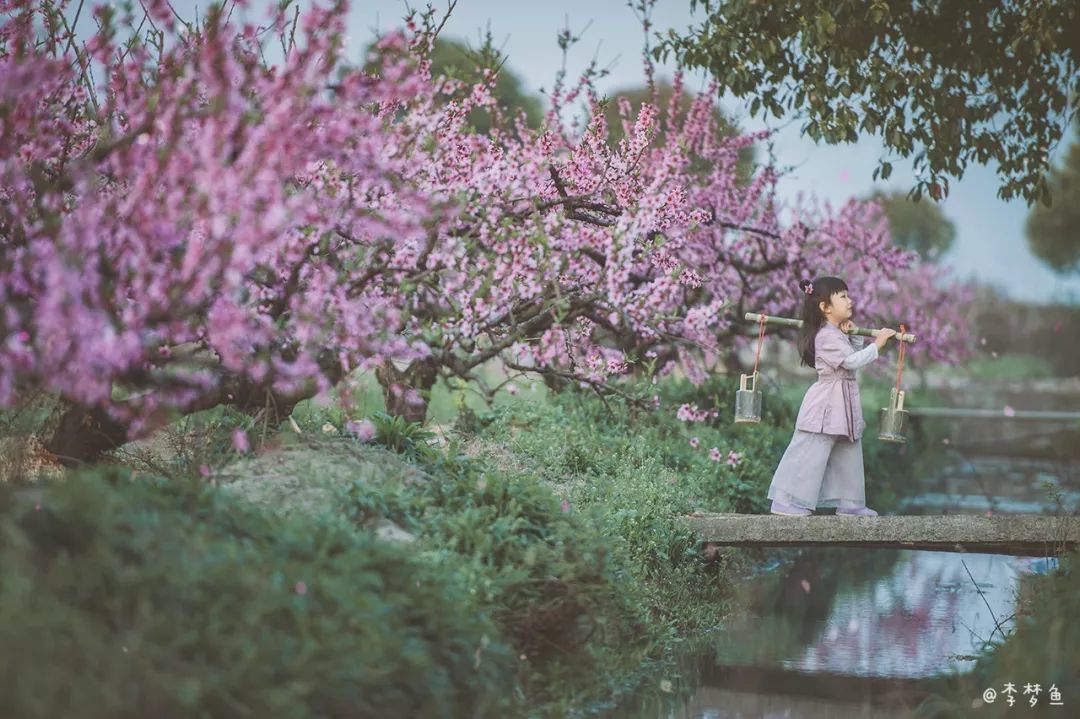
x=846, y=632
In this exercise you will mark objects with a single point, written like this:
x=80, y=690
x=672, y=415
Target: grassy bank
x=530, y=565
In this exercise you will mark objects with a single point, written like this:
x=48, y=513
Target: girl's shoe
x=857, y=512
x=788, y=510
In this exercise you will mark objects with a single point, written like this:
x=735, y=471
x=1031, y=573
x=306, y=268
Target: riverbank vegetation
x=527, y=560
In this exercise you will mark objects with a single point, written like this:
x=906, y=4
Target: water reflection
x=836, y=611
x=848, y=632
x=924, y=617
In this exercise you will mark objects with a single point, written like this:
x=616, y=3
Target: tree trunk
x=407, y=392
x=79, y=435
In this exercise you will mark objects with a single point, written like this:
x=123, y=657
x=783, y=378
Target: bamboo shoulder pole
x=788, y=322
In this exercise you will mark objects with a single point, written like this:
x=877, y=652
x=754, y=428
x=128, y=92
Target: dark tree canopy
x=918, y=226
x=945, y=82
x=1054, y=232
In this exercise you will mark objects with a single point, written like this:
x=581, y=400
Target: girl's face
x=839, y=308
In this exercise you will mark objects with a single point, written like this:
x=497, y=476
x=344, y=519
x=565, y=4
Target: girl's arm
x=863, y=357
x=834, y=349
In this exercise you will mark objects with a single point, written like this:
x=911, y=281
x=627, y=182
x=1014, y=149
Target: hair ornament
x=807, y=286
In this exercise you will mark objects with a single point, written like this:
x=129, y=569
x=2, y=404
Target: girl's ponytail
x=814, y=293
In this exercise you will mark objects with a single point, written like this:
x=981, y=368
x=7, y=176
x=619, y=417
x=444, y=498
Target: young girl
x=823, y=465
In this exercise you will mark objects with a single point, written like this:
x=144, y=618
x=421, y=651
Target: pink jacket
x=832, y=405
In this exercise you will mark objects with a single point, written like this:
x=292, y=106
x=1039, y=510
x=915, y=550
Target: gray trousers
x=820, y=470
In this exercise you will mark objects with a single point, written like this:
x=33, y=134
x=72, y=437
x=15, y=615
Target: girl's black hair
x=820, y=290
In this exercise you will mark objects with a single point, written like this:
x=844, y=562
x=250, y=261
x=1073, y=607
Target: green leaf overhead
x=944, y=83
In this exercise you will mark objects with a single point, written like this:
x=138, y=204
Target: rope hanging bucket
x=748, y=397
x=893, y=420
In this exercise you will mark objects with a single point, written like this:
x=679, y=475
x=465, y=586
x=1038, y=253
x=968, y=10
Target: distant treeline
x=1048, y=331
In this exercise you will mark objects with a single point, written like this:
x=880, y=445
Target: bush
x=633, y=474
x=193, y=446
x=123, y=599
x=543, y=573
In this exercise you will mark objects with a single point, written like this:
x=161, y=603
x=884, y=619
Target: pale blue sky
x=990, y=243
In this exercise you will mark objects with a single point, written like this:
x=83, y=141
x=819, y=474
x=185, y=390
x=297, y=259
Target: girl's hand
x=883, y=336
x=847, y=326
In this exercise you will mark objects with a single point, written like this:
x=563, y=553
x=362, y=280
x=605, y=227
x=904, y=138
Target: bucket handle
x=744, y=378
